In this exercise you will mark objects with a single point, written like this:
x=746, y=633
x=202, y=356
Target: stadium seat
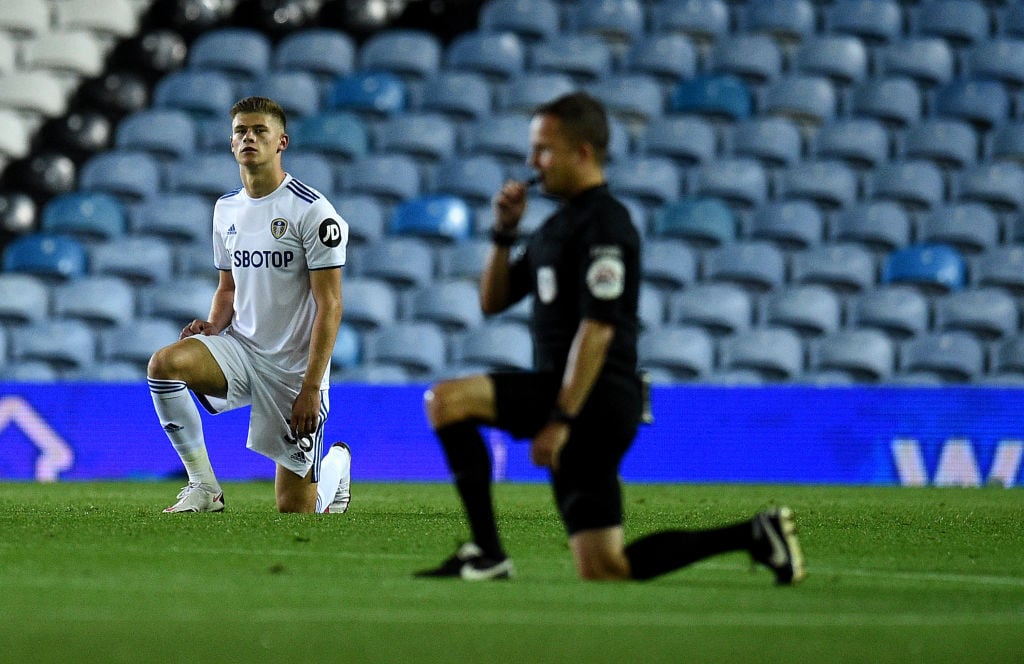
x=686, y=352
x=24, y=299
x=951, y=144
x=458, y=95
x=810, y=310
x=898, y=310
x=64, y=344
x=454, y=305
x=755, y=265
x=86, y=215
x=312, y=168
x=167, y=133
x=721, y=97
x=373, y=374
x=740, y=181
x=179, y=300
x=586, y=58
x=807, y=100
x=416, y=346
x=108, y=372
x=927, y=60
x=876, y=22
x=413, y=54
x=1000, y=58
x=618, y=22
x=474, y=178
x=537, y=212
x=296, y=91
x=340, y=135
x=1008, y=142
x=635, y=99
x=71, y=54
x=108, y=19
x=206, y=94
x=970, y=228
x=129, y=174
x=193, y=259
x=365, y=216
x=776, y=353
x=703, y=21
x=138, y=259
x=15, y=142
x=370, y=303
x=1000, y=266
x=439, y=218
x=1008, y=357
x=895, y=100
x=347, y=349
x=755, y=58
x=371, y=94
x=788, y=22
x=932, y=268
x=137, y=341
x=650, y=307
x=498, y=345
x=860, y=142
x=984, y=103
x=390, y=177
x=668, y=264
x=879, y=226
x=865, y=355
x=25, y=18
x=653, y=180
x=700, y=222
x=465, y=260
x=56, y=258
x=774, y=141
x=207, y=174
x=405, y=262
x=37, y=94
x=841, y=58
x=324, y=52
x=997, y=184
x=720, y=308
x=428, y=137
x=531, y=20
x=687, y=140
x=500, y=56
x=668, y=57
x=828, y=183
x=952, y=357
x=791, y=225
x=959, y=22
x=530, y=89
x=842, y=266
x=102, y=301
x=238, y=52
x=987, y=313
x=916, y=184
x=179, y=218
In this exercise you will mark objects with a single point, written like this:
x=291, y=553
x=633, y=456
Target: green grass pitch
x=93, y=572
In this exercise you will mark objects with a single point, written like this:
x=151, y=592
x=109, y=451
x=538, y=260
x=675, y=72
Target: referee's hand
x=546, y=448
x=509, y=204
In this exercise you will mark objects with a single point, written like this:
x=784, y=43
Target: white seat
x=66, y=52
x=33, y=93
x=25, y=18
x=106, y=18
x=15, y=139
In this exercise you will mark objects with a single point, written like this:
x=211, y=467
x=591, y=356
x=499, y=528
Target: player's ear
x=283, y=145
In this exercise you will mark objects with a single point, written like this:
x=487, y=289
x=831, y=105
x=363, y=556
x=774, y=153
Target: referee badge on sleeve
x=606, y=276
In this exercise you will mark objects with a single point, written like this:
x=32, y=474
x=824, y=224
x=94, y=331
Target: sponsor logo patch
x=330, y=233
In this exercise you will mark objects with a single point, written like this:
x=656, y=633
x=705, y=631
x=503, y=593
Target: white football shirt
x=270, y=245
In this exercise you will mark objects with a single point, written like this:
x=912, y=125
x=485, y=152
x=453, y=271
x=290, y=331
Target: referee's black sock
x=669, y=550
x=470, y=464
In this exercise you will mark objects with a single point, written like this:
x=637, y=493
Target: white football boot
x=197, y=497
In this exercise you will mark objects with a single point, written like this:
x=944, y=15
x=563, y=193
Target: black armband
x=559, y=415
x=503, y=238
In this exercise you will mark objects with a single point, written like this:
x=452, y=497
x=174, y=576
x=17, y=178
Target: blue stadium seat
x=465, y=260
x=842, y=58
x=193, y=259
x=688, y=140
x=312, y=168
x=372, y=94
x=720, y=308
x=999, y=58
x=503, y=135
x=653, y=180
x=100, y=300
x=898, y=310
x=776, y=353
x=700, y=222
x=204, y=94
x=55, y=258
x=537, y=212
x=791, y=225
x=370, y=303
x=879, y=226
x=500, y=56
x=650, y=307
x=861, y=142
x=391, y=177
x=970, y=228
x=365, y=216
x=454, y=305
x=109, y=372
x=137, y=341
x=131, y=175
x=755, y=58
x=374, y=374
x=927, y=60
x=296, y=91
x=459, y=95
x=789, y=22
x=1001, y=266
x=86, y=215
x=952, y=144
x=30, y=371
x=206, y=174
x=716, y=96
x=997, y=184
x=842, y=266
x=952, y=357
x=896, y=100
x=474, y=178
x=635, y=99
x=497, y=345
x=238, y=52
x=347, y=349
x=874, y=21
x=808, y=100
x=440, y=218
x=740, y=181
x=168, y=133
x=324, y=52
x=915, y=183
x=64, y=344
x=141, y=260
x=932, y=268
x=810, y=310
x=341, y=135
x=532, y=20
x=668, y=264
x=179, y=218
x=668, y=57
x=774, y=141
x=24, y=299
x=532, y=88
x=959, y=22
x=1008, y=142
x=619, y=22
x=1013, y=20
x=985, y=103
x=703, y=21
x=829, y=183
x=686, y=352
x=986, y=313
x=428, y=137
x=586, y=58
x=411, y=53
x=1008, y=357
x=405, y=262
x=179, y=300
x=865, y=355
x=755, y=265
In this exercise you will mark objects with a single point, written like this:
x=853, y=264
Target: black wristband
x=559, y=415
x=503, y=238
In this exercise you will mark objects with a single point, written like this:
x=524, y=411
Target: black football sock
x=470, y=463
x=663, y=552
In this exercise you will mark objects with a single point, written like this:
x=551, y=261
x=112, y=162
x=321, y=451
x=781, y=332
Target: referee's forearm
x=494, y=285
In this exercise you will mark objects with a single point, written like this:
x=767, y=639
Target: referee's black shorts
x=586, y=486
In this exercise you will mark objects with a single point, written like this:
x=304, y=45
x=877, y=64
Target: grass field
x=94, y=573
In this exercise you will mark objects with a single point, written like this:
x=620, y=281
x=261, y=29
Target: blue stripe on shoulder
x=302, y=191
x=233, y=192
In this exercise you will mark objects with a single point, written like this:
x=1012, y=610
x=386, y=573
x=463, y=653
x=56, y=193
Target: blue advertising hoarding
x=807, y=435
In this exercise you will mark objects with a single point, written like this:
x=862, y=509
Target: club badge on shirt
x=278, y=227
x=606, y=276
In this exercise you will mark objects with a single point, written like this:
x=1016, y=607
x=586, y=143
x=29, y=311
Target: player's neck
x=259, y=182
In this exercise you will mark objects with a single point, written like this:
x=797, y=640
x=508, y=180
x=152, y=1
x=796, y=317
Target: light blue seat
x=983, y=102
x=650, y=307
x=405, y=262
x=720, y=308
x=175, y=217
x=428, y=137
x=109, y=372
x=391, y=177
x=179, y=300
x=686, y=352
x=775, y=141
x=1001, y=266
x=142, y=260
x=789, y=22
x=168, y=133
x=669, y=57
x=459, y=95
x=137, y=341
x=65, y=344
x=829, y=183
x=916, y=184
x=619, y=22
x=879, y=226
x=500, y=56
x=791, y=225
x=740, y=181
x=808, y=100
x=312, y=168
x=324, y=52
x=863, y=354
x=503, y=135
x=716, y=96
x=952, y=144
x=100, y=300
x=952, y=357
x=475, y=178
x=687, y=140
x=668, y=264
x=374, y=374
x=465, y=260
x=700, y=222
x=341, y=135
x=128, y=174
x=635, y=99
x=756, y=58
x=86, y=215
x=875, y=21
x=296, y=91
x=970, y=228
x=997, y=184
x=416, y=346
x=653, y=180
x=530, y=89
x=755, y=265
x=842, y=58
x=986, y=313
x=365, y=216
x=498, y=345
x=55, y=258
x=532, y=20
x=454, y=305
x=411, y=53
x=24, y=299
x=959, y=22
x=860, y=142
x=932, y=268
x=348, y=349
x=842, y=266
x=1013, y=20
x=370, y=303
x=29, y=371
x=811, y=310
x=703, y=21
x=440, y=218
x=206, y=174
x=235, y=51
x=895, y=100
x=1008, y=142
x=898, y=310
x=374, y=94
x=927, y=60
x=204, y=94
x=1008, y=357
x=776, y=353
x=584, y=57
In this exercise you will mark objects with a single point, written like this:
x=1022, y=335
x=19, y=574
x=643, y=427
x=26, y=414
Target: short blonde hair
x=264, y=105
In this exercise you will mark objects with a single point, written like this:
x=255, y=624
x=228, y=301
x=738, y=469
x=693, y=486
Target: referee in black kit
x=582, y=405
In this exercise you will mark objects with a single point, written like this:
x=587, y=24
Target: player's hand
x=305, y=412
x=509, y=204
x=201, y=327
x=546, y=449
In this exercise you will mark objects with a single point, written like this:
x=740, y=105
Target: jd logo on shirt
x=330, y=233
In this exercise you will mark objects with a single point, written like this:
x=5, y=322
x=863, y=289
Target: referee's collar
x=589, y=192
